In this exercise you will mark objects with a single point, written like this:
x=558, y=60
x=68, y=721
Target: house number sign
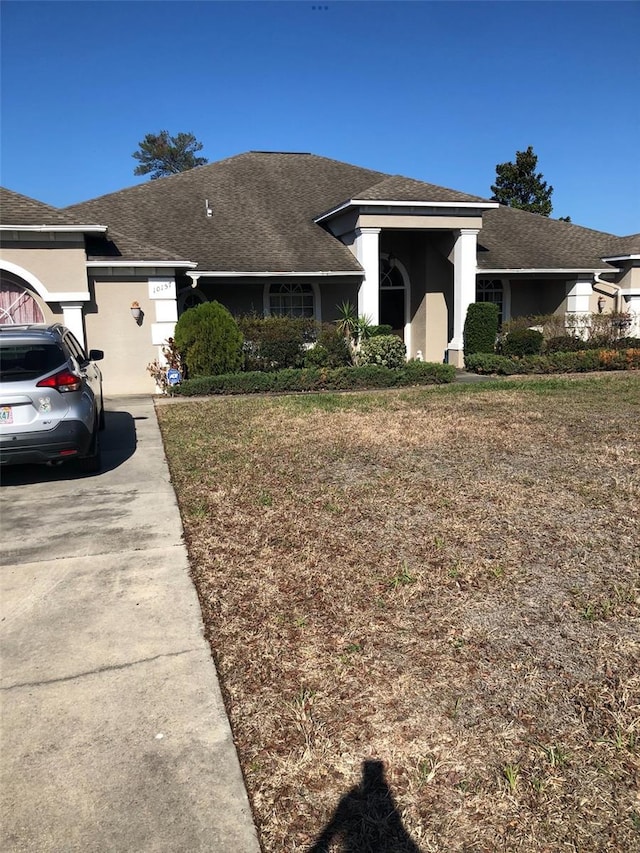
x=162, y=288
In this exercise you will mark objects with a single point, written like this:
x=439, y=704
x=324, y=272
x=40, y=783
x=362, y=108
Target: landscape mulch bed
x=423, y=607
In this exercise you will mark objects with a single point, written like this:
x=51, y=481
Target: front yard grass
x=446, y=580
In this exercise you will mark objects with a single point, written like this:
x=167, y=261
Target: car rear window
x=20, y=362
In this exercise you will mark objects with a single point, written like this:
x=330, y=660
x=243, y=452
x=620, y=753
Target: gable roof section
x=19, y=210
x=16, y=209
x=625, y=247
x=513, y=239
x=399, y=188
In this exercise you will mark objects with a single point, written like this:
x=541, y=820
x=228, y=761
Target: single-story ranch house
x=293, y=233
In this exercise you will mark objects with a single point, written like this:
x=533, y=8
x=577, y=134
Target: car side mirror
x=96, y=355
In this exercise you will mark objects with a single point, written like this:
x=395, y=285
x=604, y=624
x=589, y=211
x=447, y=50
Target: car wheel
x=92, y=463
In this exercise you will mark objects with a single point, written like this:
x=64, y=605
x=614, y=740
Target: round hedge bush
x=385, y=350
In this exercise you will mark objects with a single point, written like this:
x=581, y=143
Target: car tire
x=92, y=463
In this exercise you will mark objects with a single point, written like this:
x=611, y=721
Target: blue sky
x=441, y=92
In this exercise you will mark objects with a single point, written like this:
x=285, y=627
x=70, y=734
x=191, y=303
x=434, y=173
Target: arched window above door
x=390, y=274
x=18, y=305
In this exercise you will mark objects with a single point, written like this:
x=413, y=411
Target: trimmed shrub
x=558, y=362
x=274, y=343
x=331, y=350
x=318, y=379
x=376, y=331
x=522, y=342
x=564, y=343
x=208, y=340
x=383, y=350
x=480, y=328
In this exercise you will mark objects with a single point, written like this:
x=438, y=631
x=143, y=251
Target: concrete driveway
x=114, y=736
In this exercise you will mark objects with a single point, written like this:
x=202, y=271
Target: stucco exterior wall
x=60, y=270
x=531, y=297
x=127, y=347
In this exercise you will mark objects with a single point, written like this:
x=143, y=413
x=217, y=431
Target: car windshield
x=24, y=361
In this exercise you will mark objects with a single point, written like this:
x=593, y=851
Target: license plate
x=6, y=415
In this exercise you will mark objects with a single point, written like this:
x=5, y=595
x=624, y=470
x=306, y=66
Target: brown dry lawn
x=444, y=580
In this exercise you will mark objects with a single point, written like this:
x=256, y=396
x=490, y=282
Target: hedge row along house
x=291, y=233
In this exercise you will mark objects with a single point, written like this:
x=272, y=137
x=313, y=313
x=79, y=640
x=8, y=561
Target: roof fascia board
x=111, y=263
x=593, y=270
x=622, y=258
x=60, y=229
x=238, y=274
x=361, y=202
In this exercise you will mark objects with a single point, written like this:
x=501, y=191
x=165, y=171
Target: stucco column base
x=455, y=357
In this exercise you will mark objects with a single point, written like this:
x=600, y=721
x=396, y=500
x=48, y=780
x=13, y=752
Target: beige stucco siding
x=58, y=270
x=417, y=222
x=127, y=346
x=531, y=297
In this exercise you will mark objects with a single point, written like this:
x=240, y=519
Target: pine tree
x=164, y=155
x=518, y=185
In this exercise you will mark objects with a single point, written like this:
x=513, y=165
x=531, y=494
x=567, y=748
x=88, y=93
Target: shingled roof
x=263, y=206
x=515, y=239
x=16, y=209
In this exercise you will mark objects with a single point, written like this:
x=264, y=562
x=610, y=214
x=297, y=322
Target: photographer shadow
x=366, y=819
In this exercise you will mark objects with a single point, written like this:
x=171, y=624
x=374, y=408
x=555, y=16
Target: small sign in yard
x=174, y=377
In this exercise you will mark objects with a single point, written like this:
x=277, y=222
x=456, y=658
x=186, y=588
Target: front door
x=392, y=296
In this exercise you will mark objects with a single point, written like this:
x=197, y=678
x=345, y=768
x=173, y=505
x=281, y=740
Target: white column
x=162, y=290
x=368, y=254
x=464, y=288
x=631, y=305
x=577, y=319
x=72, y=319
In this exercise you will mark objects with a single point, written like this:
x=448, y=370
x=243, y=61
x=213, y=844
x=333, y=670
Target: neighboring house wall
x=127, y=346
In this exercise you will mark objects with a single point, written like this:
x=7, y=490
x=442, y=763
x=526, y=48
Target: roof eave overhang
x=549, y=270
x=273, y=273
x=57, y=229
x=390, y=203
x=622, y=258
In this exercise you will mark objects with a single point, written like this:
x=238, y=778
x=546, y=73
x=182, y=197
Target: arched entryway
x=394, y=292
x=18, y=305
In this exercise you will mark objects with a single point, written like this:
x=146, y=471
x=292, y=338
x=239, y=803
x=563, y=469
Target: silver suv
x=50, y=397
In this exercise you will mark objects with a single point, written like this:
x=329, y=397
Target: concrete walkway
x=114, y=736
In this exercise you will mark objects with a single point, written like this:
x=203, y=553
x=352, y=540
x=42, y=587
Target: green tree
x=163, y=155
x=518, y=185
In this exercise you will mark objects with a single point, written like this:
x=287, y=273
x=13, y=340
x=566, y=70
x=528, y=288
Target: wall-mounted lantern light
x=137, y=313
x=601, y=303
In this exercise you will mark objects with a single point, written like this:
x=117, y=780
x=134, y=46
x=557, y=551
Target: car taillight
x=65, y=380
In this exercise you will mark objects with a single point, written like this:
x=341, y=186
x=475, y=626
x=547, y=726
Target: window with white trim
x=291, y=300
x=491, y=290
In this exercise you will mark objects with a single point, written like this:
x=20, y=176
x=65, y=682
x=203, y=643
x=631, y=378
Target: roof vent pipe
x=207, y=209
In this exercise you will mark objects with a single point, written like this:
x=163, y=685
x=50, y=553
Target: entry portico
x=367, y=227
